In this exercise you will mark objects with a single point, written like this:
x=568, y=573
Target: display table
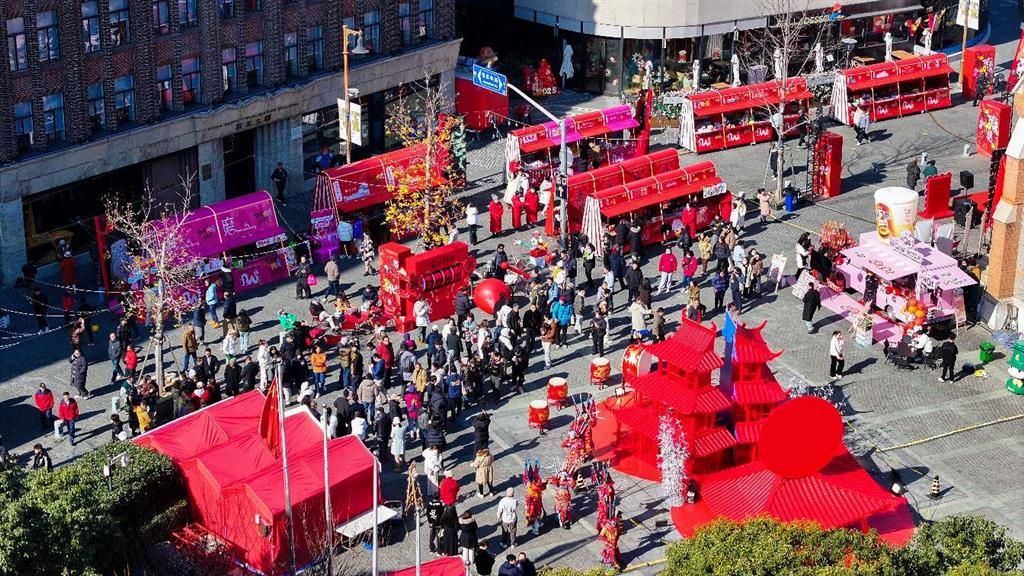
x=740, y=116
x=892, y=89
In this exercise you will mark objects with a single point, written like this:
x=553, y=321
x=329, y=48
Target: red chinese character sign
x=828, y=165
x=993, y=126
x=979, y=63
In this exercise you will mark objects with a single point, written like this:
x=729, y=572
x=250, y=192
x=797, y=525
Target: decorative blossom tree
x=423, y=201
x=672, y=457
x=164, y=268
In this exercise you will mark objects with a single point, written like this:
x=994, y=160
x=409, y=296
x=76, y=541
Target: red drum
x=600, y=371
x=558, y=391
x=539, y=413
x=635, y=362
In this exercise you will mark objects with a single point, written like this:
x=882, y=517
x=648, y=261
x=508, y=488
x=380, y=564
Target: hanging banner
x=968, y=12
x=355, y=116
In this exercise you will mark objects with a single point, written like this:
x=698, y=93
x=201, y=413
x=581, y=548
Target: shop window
x=405, y=22
x=161, y=21
x=120, y=27
x=254, y=64
x=163, y=87
x=291, y=53
x=53, y=117
x=46, y=33
x=253, y=5
x=190, y=92
x=426, y=19
x=188, y=14
x=227, y=8
x=319, y=128
x=371, y=31
x=17, y=51
x=228, y=70
x=97, y=113
x=23, y=125
x=315, y=48
x=90, y=27
x=678, y=64
x=124, y=99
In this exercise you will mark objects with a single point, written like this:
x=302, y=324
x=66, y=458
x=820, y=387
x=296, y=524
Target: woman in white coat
x=398, y=442
x=421, y=311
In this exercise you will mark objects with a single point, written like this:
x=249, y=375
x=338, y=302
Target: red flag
x=270, y=422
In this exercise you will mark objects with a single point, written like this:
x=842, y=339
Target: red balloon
x=487, y=293
x=800, y=437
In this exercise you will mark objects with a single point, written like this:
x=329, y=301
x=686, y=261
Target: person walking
x=484, y=466
x=318, y=362
x=368, y=255
x=508, y=516
x=212, y=300
x=398, y=442
x=472, y=217
x=634, y=276
x=860, y=122
x=333, y=273
x=434, y=510
x=79, y=373
x=948, y=352
x=764, y=204
x=483, y=560
x=835, y=353
x=929, y=171
x=548, y=335
x=243, y=325
x=115, y=351
x=304, y=280
x=812, y=303
x=638, y=316
x=736, y=288
x=589, y=257
x=598, y=332
x=189, y=346
x=719, y=283
x=68, y=414
x=564, y=314
x=40, y=304
x=667, y=266
x=43, y=399
x=468, y=539
x=913, y=174
x=280, y=179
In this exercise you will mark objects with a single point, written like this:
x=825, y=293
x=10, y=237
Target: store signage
x=715, y=190
x=967, y=14
x=490, y=80
x=272, y=240
x=354, y=115
x=905, y=245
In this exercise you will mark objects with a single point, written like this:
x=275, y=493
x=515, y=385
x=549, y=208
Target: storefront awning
x=588, y=125
x=223, y=226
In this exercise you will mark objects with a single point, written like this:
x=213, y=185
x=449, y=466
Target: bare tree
x=160, y=256
x=786, y=47
x=424, y=195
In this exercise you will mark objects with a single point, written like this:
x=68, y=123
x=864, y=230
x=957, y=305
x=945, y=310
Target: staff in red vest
x=532, y=206
x=497, y=211
x=517, y=211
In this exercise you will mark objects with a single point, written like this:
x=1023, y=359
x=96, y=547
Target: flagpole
x=284, y=463
x=373, y=561
x=327, y=501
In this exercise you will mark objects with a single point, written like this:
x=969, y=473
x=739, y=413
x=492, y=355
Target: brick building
x=109, y=96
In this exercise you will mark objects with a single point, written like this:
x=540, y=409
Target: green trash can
x=986, y=352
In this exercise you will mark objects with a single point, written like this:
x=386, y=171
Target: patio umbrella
x=566, y=70
x=591, y=225
x=777, y=64
x=819, y=58
x=735, y=70
x=888, y=46
x=696, y=74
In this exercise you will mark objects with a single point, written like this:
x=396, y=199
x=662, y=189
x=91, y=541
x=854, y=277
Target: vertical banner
x=354, y=115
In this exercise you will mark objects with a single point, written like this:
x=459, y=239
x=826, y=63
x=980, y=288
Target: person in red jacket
x=689, y=268
x=517, y=211
x=449, y=489
x=667, y=266
x=532, y=206
x=497, y=211
x=68, y=414
x=131, y=361
x=44, y=402
x=689, y=218
x=384, y=350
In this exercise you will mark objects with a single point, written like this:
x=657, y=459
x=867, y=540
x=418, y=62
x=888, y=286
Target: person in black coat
x=483, y=559
x=948, y=352
x=462, y=306
x=622, y=233
x=382, y=430
x=634, y=275
x=434, y=511
x=481, y=431
x=531, y=322
x=812, y=302
x=343, y=408
x=468, y=540
x=232, y=377
x=636, y=245
x=449, y=532
x=618, y=266
x=249, y=374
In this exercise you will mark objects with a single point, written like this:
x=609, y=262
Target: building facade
x=613, y=39
x=113, y=96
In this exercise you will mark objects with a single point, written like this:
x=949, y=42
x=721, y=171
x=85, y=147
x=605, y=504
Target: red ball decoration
x=800, y=437
x=487, y=293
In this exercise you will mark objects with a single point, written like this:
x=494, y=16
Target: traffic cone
x=935, y=490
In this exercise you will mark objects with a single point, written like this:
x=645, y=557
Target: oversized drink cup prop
x=600, y=371
x=558, y=391
x=895, y=212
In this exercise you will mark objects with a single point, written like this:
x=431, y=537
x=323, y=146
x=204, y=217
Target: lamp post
x=358, y=50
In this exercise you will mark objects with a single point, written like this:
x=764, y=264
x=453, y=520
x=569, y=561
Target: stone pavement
x=981, y=467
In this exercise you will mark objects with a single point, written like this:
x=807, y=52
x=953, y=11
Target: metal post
x=419, y=554
x=348, y=112
x=963, y=53
x=289, y=527
x=327, y=501
x=373, y=559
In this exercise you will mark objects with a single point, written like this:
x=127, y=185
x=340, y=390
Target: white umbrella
x=777, y=63
x=566, y=70
x=735, y=70
x=888, y=46
x=696, y=73
x=927, y=38
x=591, y=225
x=819, y=58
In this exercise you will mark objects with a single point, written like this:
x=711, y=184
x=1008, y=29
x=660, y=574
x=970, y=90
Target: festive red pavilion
x=755, y=392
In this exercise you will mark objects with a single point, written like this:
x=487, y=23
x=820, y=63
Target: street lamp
x=358, y=50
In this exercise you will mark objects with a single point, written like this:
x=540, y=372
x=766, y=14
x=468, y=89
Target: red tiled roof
x=691, y=348
x=750, y=346
x=748, y=432
x=760, y=391
x=710, y=442
x=674, y=394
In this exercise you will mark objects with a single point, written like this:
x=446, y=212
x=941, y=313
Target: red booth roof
x=674, y=394
x=750, y=346
x=747, y=97
x=587, y=125
x=691, y=348
x=447, y=566
x=370, y=182
x=838, y=495
x=614, y=210
x=882, y=73
x=761, y=391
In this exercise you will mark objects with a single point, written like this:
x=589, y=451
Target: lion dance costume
x=534, y=496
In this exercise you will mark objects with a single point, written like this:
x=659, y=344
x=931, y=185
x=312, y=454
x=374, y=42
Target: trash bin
x=790, y=202
x=986, y=352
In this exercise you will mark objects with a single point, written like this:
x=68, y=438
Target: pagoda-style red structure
x=755, y=392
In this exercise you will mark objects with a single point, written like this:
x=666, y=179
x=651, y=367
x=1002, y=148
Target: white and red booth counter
x=534, y=149
x=718, y=119
x=892, y=89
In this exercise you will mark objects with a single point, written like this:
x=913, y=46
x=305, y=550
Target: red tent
x=235, y=484
x=447, y=566
x=372, y=181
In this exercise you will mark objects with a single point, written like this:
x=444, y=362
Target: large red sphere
x=487, y=293
x=800, y=437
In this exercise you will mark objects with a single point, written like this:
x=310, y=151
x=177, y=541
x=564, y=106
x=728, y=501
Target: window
x=53, y=117
x=90, y=26
x=190, y=81
x=371, y=31
x=23, y=125
x=188, y=15
x=350, y=23
x=46, y=32
x=120, y=29
x=405, y=21
x=227, y=8
x=426, y=19
x=315, y=47
x=161, y=21
x=124, y=99
x=291, y=53
x=228, y=70
x=163, y=87
x=17, y=51
x=253, y=5
x=97, y=113
x=254, y=64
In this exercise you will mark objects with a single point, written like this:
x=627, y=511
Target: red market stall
x=739, y=116
x=979, y=63
x=481, y=108
x=534, y=149
x=892, y=89
x=444, y=566
x=435, y=276
x=827, y=179
x=993, y=126
x=234, y=481
x=659, y=201
x=585, y=184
